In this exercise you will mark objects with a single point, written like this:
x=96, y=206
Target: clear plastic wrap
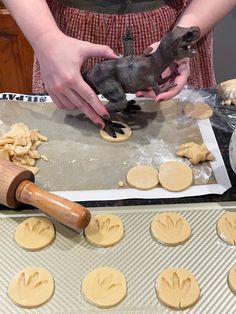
x=224, y=116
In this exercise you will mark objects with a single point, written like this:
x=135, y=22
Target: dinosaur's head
x=181, y=41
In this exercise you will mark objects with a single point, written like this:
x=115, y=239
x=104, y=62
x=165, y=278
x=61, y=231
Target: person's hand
x=60, y=58
x=180, y=81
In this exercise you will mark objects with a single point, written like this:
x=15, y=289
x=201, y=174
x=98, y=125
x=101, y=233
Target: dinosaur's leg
x=113, y=91
x=132, y=108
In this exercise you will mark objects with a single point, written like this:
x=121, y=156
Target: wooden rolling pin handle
x=65, y=211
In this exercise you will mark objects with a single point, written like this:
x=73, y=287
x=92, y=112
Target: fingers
x=67, y=102
x=91, y=98
x=99, y=51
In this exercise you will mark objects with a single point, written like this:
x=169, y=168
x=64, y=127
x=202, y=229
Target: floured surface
x=80, y=160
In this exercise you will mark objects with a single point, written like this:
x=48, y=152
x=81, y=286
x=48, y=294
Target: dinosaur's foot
x=132, y=108
x=113, y=127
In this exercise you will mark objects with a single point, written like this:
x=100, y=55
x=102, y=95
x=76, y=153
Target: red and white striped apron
x=148, y=27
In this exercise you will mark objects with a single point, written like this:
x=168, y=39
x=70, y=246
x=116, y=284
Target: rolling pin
x=17, y=187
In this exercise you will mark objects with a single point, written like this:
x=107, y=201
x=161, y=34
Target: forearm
x=205, y=13
x=34, y=18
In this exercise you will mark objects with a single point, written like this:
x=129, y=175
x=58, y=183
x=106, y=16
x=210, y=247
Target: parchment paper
x=88, y=168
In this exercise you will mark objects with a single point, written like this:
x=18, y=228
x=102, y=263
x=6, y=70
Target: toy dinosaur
x=114, y=78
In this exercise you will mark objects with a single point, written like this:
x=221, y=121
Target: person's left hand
x=180, y=81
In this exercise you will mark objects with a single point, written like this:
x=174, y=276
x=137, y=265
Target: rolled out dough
x=198, y=110
x=119, y=137
x=35, y=233
x=226, y=227
x=142, y=177
x=104, y=287
x=232, y=279
x=170, y=228
x=175, y=176
x=177, y=288
x=31, y=287
x=104, y=230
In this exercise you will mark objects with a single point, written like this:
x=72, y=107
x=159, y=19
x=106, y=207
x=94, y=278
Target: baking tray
x=137, y=255
x=84, y=167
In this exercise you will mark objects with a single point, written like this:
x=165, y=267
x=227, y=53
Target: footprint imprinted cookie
x=170, y=228
x=31, y=287
x=104, y=287
x=35, y=233
x=104, y=230
x=226, y=227
x=177, y=288
x=232, y=279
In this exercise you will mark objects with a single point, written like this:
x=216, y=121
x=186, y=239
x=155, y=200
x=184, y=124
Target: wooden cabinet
x=16, y=56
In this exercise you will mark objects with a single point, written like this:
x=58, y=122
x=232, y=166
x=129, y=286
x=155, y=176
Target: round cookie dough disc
x=226, y=227
x=175, y=176
x=232, y=279
x=198, y=110
x=104, y=287
x=177, y=288
x=104, y=230
x=170, y=229
x=31, y=287
x=142, y=177
x=35, y=233
x=119, y=137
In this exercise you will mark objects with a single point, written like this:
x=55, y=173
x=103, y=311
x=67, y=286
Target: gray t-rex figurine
x=114, y=78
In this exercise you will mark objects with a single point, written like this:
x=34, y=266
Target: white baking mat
x=101, y=165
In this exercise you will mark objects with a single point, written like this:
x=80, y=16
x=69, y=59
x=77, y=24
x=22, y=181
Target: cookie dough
x=232, y=279
x=226, y=227
x=104, y=287
x=194, y=152
x=177, y=288
x=35, y=233
x=227, y=91
x=31, y=287
x=20, y=145
x=175, y=176
x=198, y=110
x=142, y=177
x=119, y=137
x=170, y=229
x=104, y=230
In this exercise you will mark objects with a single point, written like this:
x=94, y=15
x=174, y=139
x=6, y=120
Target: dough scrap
x=232, y=279
x=198, y=110
x=35, y=233
x=104, y=230
x=227, y=91
x=195, y=152
x=104, y=287
x=177, y=288
x=19, y=145
x=170, y=229
x=226, y=227
x=175, y=176
x=31, y=287
x=119, y=137
x=142, y=177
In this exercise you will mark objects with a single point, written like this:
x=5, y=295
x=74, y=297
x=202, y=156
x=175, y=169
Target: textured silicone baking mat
x=138, y=256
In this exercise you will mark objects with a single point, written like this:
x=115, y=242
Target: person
x=67, y=35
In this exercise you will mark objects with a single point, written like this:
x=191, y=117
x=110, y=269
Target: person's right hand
x=60, y=58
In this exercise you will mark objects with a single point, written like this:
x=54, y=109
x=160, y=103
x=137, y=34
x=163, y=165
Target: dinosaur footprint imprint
x=177, y=288
x=31, y=287
x=170, y=228
x=104, y=230
x=35, y=233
